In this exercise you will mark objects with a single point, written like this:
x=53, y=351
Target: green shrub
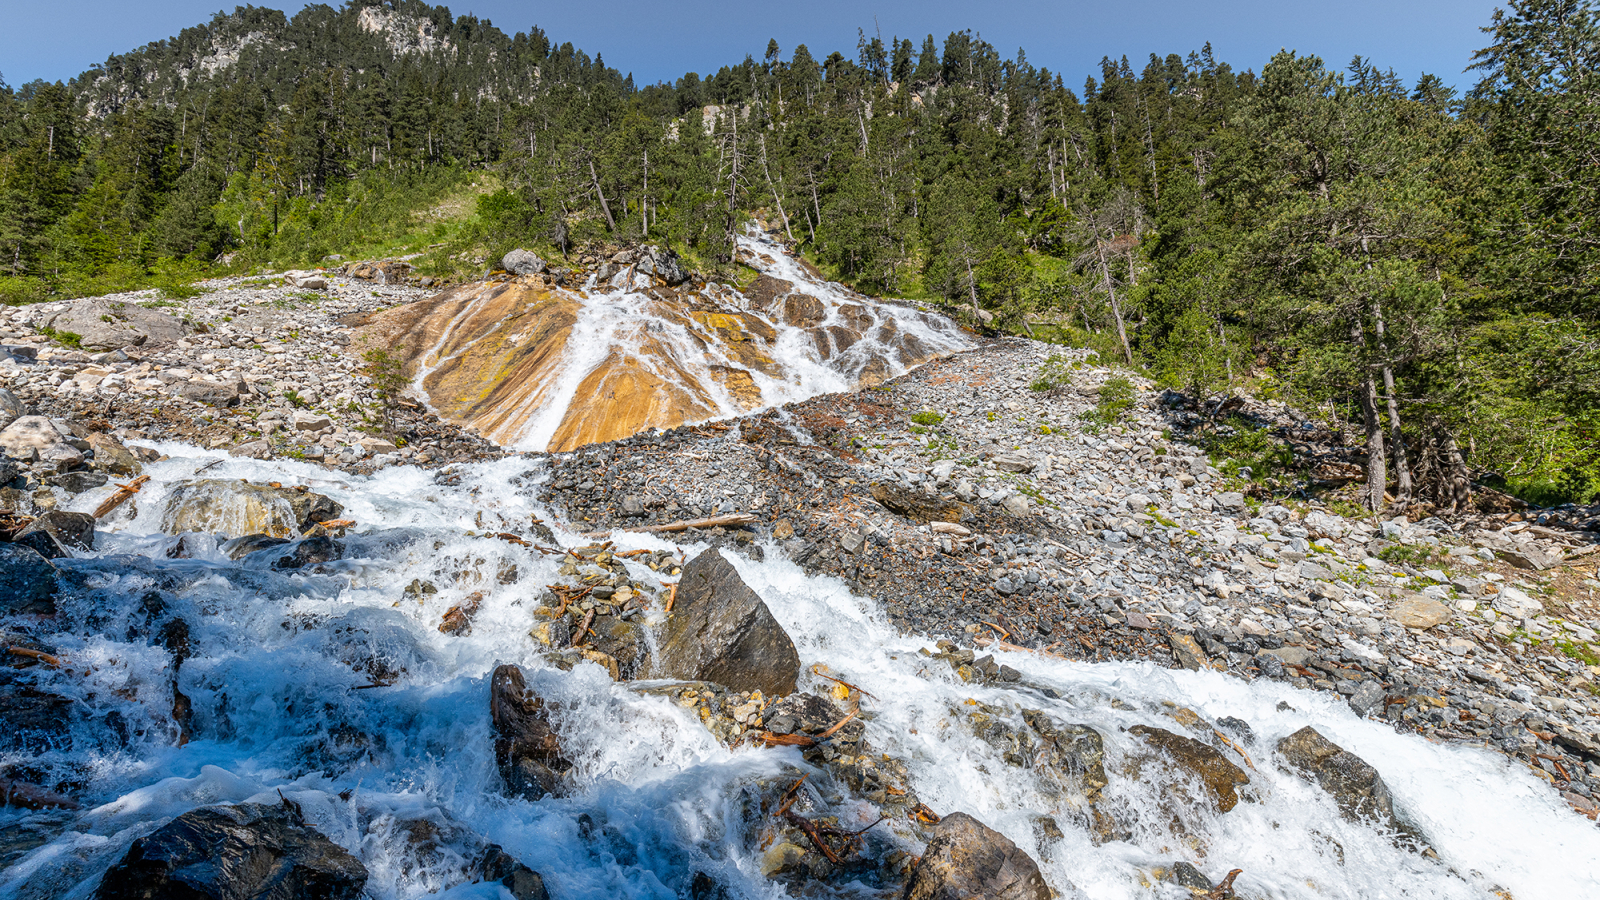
x=1116, y=398
x=927, y=417
x=1054, y=372
x=64, y=338
x=1247, y=445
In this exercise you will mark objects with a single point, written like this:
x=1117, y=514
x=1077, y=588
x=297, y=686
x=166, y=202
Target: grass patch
x=1408, y=554
x=1054, y=372
x=1115, y=400
x=64, y=338
x=927, y=418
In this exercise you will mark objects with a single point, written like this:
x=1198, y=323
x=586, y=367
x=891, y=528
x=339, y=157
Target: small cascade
x=341, y=686
x=534, y=366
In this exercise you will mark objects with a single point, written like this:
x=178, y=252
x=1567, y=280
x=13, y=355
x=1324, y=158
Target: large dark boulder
x=27, y=582
x=526, y=747
x=1355, y=785
x=1220, y=777
x=55, y=534
x=251, y=851
x=721, y=631
x=967, y=859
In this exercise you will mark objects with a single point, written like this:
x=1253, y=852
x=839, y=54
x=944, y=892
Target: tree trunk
x=767, y=171
x=1402, y=465
x=1116, y=309
x=604, y=206
x=1377, y=470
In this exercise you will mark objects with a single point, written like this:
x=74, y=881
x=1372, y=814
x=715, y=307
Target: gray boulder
x=11, y=409
x=112, y=457
x=523, y=262
x=665, y=265
x=27, y=582
x=252, y=850
x=38, y=438
x=56, y=533
x=721, y=631
x=113, y=324
x=967, y=859
x=224, y=506
x=1355, y=785
x=212, y=393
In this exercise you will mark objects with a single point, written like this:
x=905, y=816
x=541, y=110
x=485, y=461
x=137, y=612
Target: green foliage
x=1409, y=554
x=927, y=418
x=1115, y=400
x=65, y=338
x=1056, y=371
x=386, y=377
x=1238, y=443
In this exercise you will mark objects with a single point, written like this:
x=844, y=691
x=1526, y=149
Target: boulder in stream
x=252, y=850
x=526, y=747
x=967, y=859
x=27, y=582
x=36, y=437
x=1220, y=777
x=721, y=631
x=233, y=507
x=54, y=534
x=1355, y=786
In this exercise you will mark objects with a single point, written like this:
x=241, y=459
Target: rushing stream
x=289, y=676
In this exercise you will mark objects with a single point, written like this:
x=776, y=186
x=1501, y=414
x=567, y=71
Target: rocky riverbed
x=987, y=534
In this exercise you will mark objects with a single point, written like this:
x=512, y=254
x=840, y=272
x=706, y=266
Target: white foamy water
x=280, y=663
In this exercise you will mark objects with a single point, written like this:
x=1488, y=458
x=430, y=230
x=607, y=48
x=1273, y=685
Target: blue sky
x=655, y=41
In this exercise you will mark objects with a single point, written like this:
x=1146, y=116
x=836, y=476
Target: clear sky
x=57, y=39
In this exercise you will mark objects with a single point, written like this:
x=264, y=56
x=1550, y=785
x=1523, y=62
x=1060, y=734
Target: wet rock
x=36, y=720
x=240, y=547
x=523, y=882
x=1221, y=778
x=967, y=859
x=112, y=457
x=1075, y=752
x=1355, y=786
x=310, y=552
x=27, y=582
x=77, y=482
x=1187, y=652
x=917, y=506
x=522, y=262
x=222, y=506
x=526, y=748
x=251, y=851
x=721, y=631
x=55, y=534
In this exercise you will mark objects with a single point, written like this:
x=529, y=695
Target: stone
x=722, y=632
x=11, y=409
x=252, y=850
x=212, y=393
x=28, y=583
x=1369, y=696
x=1187, y=652
x=259, y=449
x=231, y=507
x=1220, y=777
x=1231, y=500
x=309, y=281
x=1071, y=751
x=36, y=437
x=1531, y=558
x=310, y=421
x=919, y=507
x=522, y=882
x=967, y=859
x=1516, y=602
x=667, y=265
x=1420, y=613
x=526, y=747
x=1014, y=462
x=1289, y=656
x=1017, y=505
x=102, y=324
x=1355, y=785
x=78, y=481
x=112, y=457
x=56, y=533
x=522, y=262
x=377, y=446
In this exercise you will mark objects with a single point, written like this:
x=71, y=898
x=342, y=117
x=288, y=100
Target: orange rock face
x=543, y=368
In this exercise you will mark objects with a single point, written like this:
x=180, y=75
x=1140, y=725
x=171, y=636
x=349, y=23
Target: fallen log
x=123, y=493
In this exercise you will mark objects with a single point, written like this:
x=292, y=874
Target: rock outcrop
x=967, y=859
x=1220, y=777
x=27, y=582
x=721, y=631
x=531, y=362
x=234, y=852
x=101, y=324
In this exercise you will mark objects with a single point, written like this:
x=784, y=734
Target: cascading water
x=536, y=367
x=336, y=688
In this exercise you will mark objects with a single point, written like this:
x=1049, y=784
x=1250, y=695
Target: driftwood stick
x=806, y=825
x=40, y=655
x=121, y=496
x=588, y=619
x=685, y=525
x=839, y=681
x=791, y=795
x=672, y=596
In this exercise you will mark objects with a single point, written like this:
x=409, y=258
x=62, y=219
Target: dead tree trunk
x=605, y=207
x=1116, y=308
x=1377, y=469
x=1397, y=443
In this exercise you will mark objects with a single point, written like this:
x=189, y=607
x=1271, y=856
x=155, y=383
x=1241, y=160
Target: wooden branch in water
x=839, y=681
x=791, y=795
x=40, y=655
x=830, y=732
x=810, y=830
x=588, y=619
x=672, y=596
x=123, y=493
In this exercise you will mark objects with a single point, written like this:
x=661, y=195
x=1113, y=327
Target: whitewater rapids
x=277, y=709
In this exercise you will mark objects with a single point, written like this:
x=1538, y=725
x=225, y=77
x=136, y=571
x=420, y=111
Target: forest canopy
x=1419, y=263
